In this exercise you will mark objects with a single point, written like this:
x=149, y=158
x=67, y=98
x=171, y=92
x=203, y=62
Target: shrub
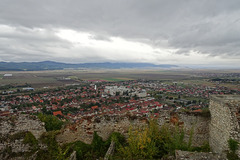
x=205, y=112
x=233, y=146
x=30, y=139
x=54, y=151
x=204, y=148
x=141, y=143
x=19, y=135
x=51, y=122
x=154, y=142
x=98, y=148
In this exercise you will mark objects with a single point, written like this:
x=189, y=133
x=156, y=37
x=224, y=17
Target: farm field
x=55, y=78
x=198, y=82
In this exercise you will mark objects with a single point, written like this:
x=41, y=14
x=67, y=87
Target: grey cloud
x=207, y=27
x=101, y=37
x=24, y=44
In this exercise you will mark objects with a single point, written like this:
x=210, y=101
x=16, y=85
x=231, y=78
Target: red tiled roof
x=94, y=107
x=57, y=113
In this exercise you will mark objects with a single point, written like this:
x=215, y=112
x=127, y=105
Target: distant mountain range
x=51, y=65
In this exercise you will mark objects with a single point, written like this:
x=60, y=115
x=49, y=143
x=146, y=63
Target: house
x=57, y=113
x=94, y=107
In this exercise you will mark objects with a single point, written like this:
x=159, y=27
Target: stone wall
x=185, y=155
x=195, y=125
x=22, y=122
x=12, y=132
x=224, y=122
x=104, y=126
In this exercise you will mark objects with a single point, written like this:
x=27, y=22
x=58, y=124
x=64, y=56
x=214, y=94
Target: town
x=106, y=80
x=95, y=98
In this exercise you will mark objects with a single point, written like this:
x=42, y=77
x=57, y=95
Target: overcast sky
x=156, y=31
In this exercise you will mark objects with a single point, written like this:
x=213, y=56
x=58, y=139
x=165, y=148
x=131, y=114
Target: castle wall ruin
x=104, y=126
x=225, y=121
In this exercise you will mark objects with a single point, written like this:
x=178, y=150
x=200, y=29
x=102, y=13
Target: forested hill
x=51, y=65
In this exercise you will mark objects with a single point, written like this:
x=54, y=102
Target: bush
x=17, y=136
x=118, y=138
x=205, y=112
x=141, y=143
x=51, y=122
x=54, y=151
x=204, y=148
x=232, y=156
x=233, y=146
x=154, y=142
x=82, y=149
x=30, y=139
x=98, y=148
